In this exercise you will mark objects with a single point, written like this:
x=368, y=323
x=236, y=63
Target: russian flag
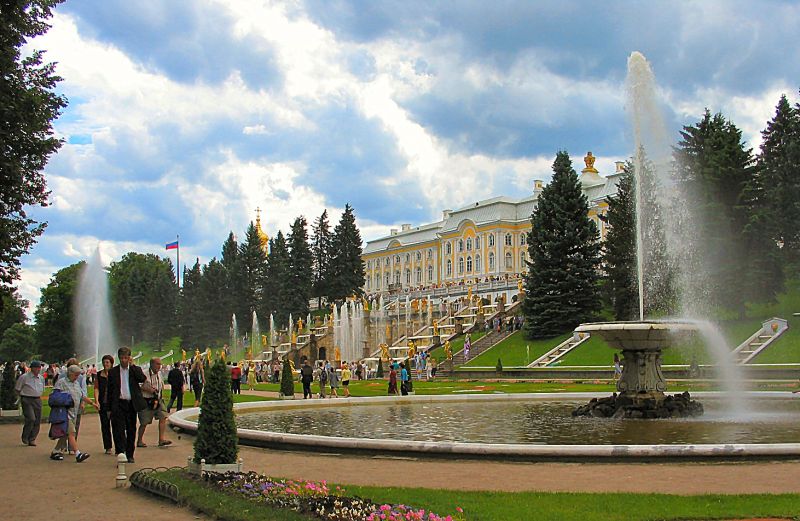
x=172, y=245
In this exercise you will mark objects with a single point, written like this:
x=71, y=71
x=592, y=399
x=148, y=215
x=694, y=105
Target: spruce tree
x=716, y=169
x=287, y=379
x=278, y=274
x=321, y=253
x=347, y=269
x=619, y=250
x=778, y=164
x=189, y=307
x=253, y=266
x=561, y=284
x=233, y=302
x=300, y=276
x=216, y=440
x=214, y=319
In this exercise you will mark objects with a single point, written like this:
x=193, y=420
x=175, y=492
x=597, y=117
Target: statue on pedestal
x=435, y=328
x=448, y=351
x=384, y=351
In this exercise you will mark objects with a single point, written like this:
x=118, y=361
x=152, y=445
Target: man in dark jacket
x=125, y=394
x=306, y=376
x=175, y=381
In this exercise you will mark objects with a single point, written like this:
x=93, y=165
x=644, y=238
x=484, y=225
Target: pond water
x=533, y=422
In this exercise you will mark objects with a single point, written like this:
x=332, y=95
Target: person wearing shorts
x=152, y=390
x=346, y=379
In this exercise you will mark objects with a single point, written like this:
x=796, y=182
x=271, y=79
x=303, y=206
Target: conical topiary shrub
x=287, y=379
x=499, y=367
x=8, y=399
x=379, y=372
x=216, y=440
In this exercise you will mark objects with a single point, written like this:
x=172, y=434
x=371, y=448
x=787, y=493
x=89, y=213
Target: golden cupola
x=263, y=238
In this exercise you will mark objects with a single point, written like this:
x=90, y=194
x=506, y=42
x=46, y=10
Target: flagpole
x=178, y=238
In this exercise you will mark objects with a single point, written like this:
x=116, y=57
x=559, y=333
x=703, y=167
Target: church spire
x=263, y=238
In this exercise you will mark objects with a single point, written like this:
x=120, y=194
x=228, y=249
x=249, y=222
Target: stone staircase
x=479, y=346
x=560, y=350
x=770, y=331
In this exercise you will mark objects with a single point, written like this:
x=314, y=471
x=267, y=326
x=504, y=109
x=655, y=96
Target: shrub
x=287, y=379
x=499, y=366
x=379, y=373
x=8, y=399
x=216, y=440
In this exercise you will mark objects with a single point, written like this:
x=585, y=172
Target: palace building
x=484, y=240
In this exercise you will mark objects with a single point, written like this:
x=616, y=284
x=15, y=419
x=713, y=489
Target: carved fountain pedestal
x=641, y=387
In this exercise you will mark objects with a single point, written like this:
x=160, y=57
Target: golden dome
x=262, y=237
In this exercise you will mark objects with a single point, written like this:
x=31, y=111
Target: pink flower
x=459, y=510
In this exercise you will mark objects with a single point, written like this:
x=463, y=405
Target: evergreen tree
x=347, y=269
x=17, y=343
x=233, y=302
x=8, y=397
x=287, y=379
x=278, y=274
x=300, y=277
x=619, y=250
x=214, y=319
x=189, y=307
x=563, y=245
x=253, y=266
x=716, y=169
x=28, y=106
x=12, y=308
x=216, y=440
x=778, y=164
x=54, y=318
x=321, y=252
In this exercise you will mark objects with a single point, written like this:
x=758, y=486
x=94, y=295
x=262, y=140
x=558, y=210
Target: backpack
x=59, y=398
x=323, y=376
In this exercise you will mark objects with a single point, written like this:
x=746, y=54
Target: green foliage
x=287, y=379
x=214, y=322
x=278, y=273
x=216, y=440
x=252, y=263
x=499, y=367
x=321, y=253
x=8, y=397
x=619, y=250
x=300, y=277
x=144, y=297
x=189, y=306
x=778, y=165
x=347, y=269
x=54, y=318
x=379, y=372
x=561, y=288
x=12, y=308
x=28, y=106
x=17, y=342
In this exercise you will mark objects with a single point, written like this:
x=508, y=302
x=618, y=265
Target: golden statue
x=388, y=331
x=480, y=305
x=208, y=354
x=291, y=365
x=448, y=351
x=183, y=355
x=330, y=320
x=412, y=349
x=300, y=324
x=469, y=293
x=249, y=353
x=196, y=353
x=415, y=305
x=589, y=160
x=294, y=337
x=337, y=354
x=222, y=354
x=519, y=286
x=384, y=351
x=364, y=303
x=435, y=328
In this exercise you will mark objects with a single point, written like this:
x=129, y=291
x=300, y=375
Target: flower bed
x=317, y=499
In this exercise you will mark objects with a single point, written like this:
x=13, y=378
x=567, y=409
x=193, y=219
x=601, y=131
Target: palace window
x=387, y=280
x=491, y=240
x=397, y=259
x=469, y=264
x=377, y=282
x=478, y=267
x=491, y=261
x=509, y=261
x=397, y=277
x=369, y=264
x=477, y=243
x=368, y=284
x=523, y=238
x=509, y=241
x=419, y=255
x=430, y=273
x=522, y=260
x=469, y=244
x=408, y=276
x=430, y=253
x=460, y=265
x=408, y=257
x=460, y=245
x=387, y=261
x=418, y=275
x=449, y=267
x=448, y=249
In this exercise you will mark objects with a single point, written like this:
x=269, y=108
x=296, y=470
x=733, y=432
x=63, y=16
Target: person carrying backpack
x=322, y=376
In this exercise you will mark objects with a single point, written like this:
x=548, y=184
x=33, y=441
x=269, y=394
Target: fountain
x=255, y=338
x=234, y=334
x=273, y=339
x=94, y=332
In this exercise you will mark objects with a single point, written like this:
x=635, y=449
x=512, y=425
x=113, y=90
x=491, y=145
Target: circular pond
x=527, y=426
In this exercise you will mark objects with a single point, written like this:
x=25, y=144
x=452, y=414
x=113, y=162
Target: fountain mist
x=94, y=332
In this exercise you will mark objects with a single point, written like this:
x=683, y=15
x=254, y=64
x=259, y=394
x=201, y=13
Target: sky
x=184, y=117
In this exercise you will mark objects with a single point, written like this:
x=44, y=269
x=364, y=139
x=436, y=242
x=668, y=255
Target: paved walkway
x=86, y=491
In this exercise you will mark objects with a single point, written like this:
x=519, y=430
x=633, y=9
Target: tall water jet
x=255, y=338
x=94, y=331
x=234, y=337
x=273, y=341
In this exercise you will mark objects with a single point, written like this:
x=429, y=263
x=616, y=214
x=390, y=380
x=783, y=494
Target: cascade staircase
x=481, y=345
x=560, y=350
x=770, y=331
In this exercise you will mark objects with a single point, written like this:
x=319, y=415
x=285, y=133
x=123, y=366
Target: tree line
x=749, y=209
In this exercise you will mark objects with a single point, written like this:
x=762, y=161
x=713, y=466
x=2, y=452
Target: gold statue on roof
x=589, y=160
x=263, y=238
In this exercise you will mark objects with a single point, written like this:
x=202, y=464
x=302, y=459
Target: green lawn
x=487, y=505
x=456, y=345
x=512, y=351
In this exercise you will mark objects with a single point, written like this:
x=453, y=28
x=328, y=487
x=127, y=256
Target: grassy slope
x=456, y=345
x=512, y=351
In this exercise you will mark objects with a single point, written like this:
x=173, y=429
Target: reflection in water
x=539, y=422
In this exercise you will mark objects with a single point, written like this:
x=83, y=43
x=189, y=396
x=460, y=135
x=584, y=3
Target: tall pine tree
x=233, y=301
x=779, y=164
x=321, y=254
x=214, y=319
x=619, y=250
x=347, y=269
x=300, y=277
x=278, y=273
x=253, y=266
x=189, y=307
x=561, y=284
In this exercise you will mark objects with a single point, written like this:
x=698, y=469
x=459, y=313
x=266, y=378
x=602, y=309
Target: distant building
x=482, y=240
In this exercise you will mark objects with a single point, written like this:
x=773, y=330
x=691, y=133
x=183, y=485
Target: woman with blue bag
x=66, y=399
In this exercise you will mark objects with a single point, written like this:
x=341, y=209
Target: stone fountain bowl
x=648, y=335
